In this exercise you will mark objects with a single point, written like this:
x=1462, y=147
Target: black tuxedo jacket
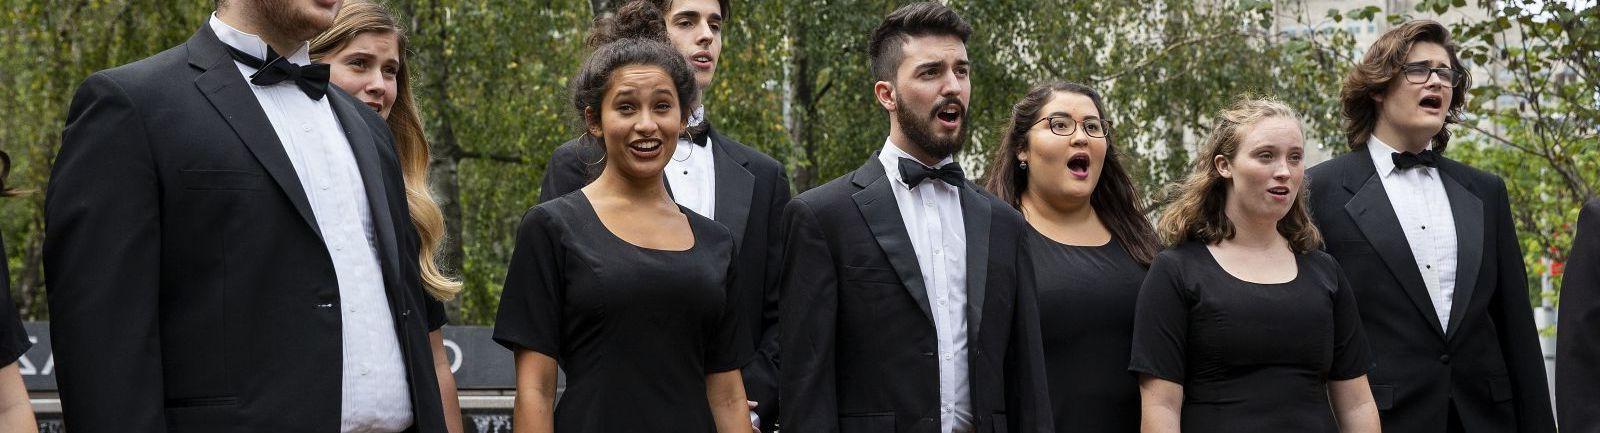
x=751, y=191
x=1578, y=333
x=858, y=341
x=190, y=289
x=1488, y=363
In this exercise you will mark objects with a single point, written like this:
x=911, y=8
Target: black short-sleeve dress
x=1086, y=298
x=13, y=339
x=1251, y=357
x=635, y=329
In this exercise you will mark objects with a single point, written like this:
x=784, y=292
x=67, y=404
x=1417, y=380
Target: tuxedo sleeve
x=566, y=171
x=808, y=311
x=102, y=257
x=1519, y=338
x=1029, y=394
x=761, y=375
x=1578, y=334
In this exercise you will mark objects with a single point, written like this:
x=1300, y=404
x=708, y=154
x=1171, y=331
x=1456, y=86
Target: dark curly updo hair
x=638, y=19
x=635, y=35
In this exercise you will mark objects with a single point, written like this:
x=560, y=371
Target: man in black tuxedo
x=226, y=244
x=1429, y=246
x=1578, y=333
x=906, y=303
x=719, y=178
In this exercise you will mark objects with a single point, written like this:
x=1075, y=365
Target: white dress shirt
x=932, y=214
x=1423, y=208
x=692, y=173
x=375, y=395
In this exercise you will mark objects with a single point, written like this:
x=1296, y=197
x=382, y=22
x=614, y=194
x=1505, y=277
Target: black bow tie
x=312, y=78
x=1405, y=160
x=914, y=173
x=700, y=134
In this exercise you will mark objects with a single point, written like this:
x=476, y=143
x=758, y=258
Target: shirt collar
x=1380, y=152
x=697, y=116
x=890, y=158
x=254, y=45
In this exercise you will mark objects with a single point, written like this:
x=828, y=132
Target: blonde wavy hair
x=1196, y=213
x=358, y=17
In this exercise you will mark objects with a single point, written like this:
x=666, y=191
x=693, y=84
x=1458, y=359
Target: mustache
x=939, y=106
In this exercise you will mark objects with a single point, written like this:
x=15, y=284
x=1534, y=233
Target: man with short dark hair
x=719, y=178
x=225, y=244
x=1429, y=246
x=907, y=305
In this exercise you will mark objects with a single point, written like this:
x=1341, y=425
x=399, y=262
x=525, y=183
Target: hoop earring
x=691, y=148
x=601, y=143
x=1023, y=165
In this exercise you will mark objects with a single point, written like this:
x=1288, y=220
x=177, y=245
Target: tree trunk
x=803, y=105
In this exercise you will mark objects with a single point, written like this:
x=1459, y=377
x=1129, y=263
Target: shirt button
x=305, y=127
x=1428, y=266
x=948, y=357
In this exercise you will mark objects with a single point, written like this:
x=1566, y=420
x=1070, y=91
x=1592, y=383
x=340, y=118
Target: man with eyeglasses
x=1429, y=246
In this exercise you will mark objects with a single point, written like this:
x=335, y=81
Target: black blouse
x=1086, y=298
x=13, y=339
x=635, y=329
x=1251, y=357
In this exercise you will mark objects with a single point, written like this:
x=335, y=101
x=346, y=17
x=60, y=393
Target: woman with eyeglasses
x=1090, y=243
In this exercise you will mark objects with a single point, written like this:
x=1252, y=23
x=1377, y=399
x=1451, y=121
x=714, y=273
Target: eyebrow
x=1064, y=114
x=692, y=14
x=1426, y=63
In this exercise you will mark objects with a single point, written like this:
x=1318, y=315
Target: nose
x=1281, y=171
x=953, y=85
x=647, y=126
x=705, y=36
x=374, y=85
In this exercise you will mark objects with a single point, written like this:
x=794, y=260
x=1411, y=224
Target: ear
x=1224, y=166
x=884, y=91
x=1377, y=97
x=592, y=121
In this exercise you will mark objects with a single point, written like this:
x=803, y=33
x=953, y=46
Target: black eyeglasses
x=1064, y=126
x=1419, y=74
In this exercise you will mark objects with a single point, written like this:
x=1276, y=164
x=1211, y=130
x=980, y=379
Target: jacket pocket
x=1500, y=388
x=1383, y=396
x=223, y=180
x=867, y=423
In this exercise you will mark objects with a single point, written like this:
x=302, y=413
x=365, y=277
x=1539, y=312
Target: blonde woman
x=1243, y=325
x=366, y=49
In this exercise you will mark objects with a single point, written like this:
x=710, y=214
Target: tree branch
x=498, y=157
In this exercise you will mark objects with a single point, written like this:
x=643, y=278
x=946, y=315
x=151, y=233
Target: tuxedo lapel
x=1372, y=212
x=975, y=214
x=735, y=185
x=224, y=86
x=1467, y=211
x=370, y=162
x=878, y=207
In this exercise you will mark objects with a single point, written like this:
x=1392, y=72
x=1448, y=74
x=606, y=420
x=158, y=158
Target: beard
x=919, y=129
x=289, y=19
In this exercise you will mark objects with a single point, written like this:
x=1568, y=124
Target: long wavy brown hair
x=358, y=17
x=1113, y=198
x=1380, y=68
x=1197, y=212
